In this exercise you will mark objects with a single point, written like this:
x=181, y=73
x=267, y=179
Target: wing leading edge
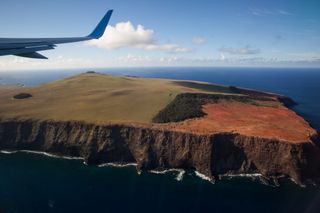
x=29, y=47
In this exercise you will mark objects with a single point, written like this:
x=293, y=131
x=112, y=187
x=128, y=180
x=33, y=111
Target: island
x=161, y=124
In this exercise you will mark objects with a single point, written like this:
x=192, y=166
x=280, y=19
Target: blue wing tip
x=101, y=27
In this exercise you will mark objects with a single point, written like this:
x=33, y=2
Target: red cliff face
x=153, y=148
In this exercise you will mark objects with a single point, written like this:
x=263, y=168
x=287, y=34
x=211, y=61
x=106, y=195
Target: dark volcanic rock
x=150, y=148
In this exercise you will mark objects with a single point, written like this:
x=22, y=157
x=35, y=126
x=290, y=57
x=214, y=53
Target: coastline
x=196, y=139
x=179, y=173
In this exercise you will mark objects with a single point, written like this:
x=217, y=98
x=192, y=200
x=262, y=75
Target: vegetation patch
x=189, y=105
x=181, y=108
x=22, y=96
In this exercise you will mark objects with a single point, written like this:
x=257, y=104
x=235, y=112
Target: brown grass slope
x=98, y=98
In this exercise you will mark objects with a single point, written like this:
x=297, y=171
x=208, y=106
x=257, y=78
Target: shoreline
x=212, y=129
x=200, y=149
x=180, y=172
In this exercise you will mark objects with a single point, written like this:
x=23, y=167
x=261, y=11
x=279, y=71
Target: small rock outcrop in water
x=22, y=96
x=151, y=148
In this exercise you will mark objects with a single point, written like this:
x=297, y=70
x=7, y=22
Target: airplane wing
x=29, y=47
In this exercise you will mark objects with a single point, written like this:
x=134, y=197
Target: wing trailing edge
x=32, y=55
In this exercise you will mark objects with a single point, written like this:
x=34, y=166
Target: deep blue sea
x=36, y=183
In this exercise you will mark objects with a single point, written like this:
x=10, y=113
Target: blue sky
x=259, y=33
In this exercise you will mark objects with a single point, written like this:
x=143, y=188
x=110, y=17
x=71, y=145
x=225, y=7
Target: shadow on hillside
x=204, y=87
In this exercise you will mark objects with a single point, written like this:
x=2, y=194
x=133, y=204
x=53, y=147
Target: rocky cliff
x=155, y=148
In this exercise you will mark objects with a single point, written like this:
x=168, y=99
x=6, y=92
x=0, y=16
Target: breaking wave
x=120, y=165
x=41, y=153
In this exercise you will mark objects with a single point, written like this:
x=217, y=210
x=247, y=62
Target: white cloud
x=124, y=34
x=307, y=59
x=164, y=60
x=19, y=63
x=283, y=12
x=134, y=58
x=247, y=50
x=271, y=61
x=222, y=57
x=266, y=12
x=144, y=59
x=199, y=40
x=219, y=60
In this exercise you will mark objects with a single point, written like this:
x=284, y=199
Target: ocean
x=31, y=182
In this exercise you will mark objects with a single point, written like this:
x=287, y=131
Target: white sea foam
x=165, y=171
x=7, y=152
x=179, y=176
x=41, y=153
x=243, y=175
x=160, y=172
x=120, y=165
x=202, y=176
x=300, y=184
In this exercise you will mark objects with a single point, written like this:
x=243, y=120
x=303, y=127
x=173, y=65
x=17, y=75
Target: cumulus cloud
x=125, y=34
x=247, y=50
x=199, y=40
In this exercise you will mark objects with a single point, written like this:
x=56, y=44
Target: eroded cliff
x=161, y=124
x=155, y=148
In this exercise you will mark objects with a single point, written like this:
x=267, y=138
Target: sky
x=150, y=33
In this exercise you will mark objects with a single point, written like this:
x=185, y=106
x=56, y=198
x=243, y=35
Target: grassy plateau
x=95, y=97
